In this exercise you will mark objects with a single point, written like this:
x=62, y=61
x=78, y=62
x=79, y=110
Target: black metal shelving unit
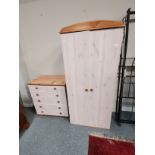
x=125, y=103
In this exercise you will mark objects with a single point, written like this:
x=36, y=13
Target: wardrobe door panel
x=112, y=49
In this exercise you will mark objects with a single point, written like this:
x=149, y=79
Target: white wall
x=40, y=22
x=23, y=78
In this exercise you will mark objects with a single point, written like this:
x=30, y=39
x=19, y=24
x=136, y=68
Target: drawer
x=50, y=101
x=58, y=110
x=51, y=98
x=38, y=88
x=55, y=94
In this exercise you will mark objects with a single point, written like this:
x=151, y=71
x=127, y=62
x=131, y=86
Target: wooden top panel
x=48, y=80
x=92, y=25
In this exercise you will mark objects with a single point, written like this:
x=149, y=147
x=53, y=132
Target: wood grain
x=48, y=80
x=91, y=61
x=92, y=25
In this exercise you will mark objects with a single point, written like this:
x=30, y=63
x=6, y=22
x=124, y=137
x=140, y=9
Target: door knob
x=86, y=89
x=91, y=89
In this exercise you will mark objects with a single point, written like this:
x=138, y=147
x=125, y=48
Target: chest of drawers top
x=48, y=80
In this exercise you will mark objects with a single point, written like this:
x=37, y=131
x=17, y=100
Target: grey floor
x=49, y=135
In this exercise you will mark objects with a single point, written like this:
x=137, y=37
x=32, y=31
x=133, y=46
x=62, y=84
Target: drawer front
x=38, y=88
x=50, y=98
x=57, y=110
x=55, y=94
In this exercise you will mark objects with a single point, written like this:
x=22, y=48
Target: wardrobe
x=91, y=52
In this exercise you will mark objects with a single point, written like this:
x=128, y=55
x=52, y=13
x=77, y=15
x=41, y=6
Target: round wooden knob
x=58, y=101
x=42, y=111
x=60, y=113
x=36, y=87
x=38, y=100
x=57, y=95
x=55, y=88
x=37, y=94
x=40, y=106
x=59, y=107
x=91, y=89
x=86, y=89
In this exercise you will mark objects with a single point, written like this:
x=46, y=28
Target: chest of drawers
x=48, y=95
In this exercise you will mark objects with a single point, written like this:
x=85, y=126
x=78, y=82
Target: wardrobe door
x=77, y=67
x=86, y=66
x=112, y=39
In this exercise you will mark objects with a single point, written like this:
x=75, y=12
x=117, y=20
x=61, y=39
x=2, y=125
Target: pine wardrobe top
x=92, y=25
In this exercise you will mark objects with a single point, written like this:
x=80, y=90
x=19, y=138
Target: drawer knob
x=59, y=107
x=36, y=87
x=40, y=106
x=38, y=100
x=91, y=89
x=42, y=111
x=37, y=94
x=60, y=113
x=54, y=88
x=57, y=95
x=86, y=89
x=58, y=101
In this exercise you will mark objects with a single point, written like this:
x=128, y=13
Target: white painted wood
x=50, y=98
x=56, y=110
x=45, y=88
x=91, y=61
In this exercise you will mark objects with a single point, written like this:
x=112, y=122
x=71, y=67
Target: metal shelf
x=125, y=103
